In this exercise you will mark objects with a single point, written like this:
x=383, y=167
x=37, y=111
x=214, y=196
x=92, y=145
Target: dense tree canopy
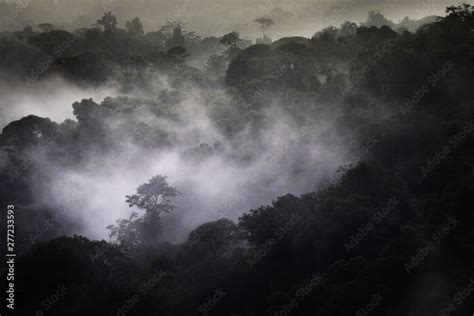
x=391, y=230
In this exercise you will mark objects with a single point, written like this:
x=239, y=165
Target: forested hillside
x=372, y=127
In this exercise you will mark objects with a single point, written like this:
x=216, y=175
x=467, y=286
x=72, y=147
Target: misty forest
x=156, y=169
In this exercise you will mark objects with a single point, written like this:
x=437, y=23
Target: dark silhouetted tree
x=215, y=238
x=348, y=29
x=230, y=39
x=46, y=27
x=135, y=27
x=177, y=54
x=108, y=22
x=177, y=37
x=265, y=24
x=152, y=200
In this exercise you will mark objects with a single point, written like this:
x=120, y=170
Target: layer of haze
x=285, y=157
x=51, y=98
x=237, y=175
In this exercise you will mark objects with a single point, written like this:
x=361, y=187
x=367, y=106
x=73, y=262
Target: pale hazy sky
x=211, y=17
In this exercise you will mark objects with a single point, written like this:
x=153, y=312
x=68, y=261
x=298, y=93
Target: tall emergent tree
x=135, y=27
x=144, y=228
x=108, y=21
x=265, y=24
